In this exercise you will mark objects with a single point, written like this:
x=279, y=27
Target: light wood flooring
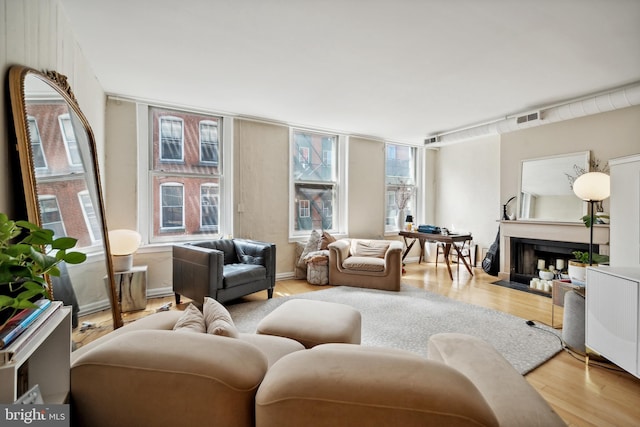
x=598, y=394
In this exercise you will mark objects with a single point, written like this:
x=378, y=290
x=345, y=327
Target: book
x=23, y=341
x=21, y=321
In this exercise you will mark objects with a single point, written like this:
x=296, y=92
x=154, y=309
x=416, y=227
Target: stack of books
x=25, y=319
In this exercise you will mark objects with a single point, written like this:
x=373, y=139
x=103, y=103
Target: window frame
x=338, y=164
x=147, y=174
x=216, y=144
x=161, y=205
x=161, y=159
x=416, y=173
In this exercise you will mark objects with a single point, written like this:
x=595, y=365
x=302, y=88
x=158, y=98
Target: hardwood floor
x=599, y=394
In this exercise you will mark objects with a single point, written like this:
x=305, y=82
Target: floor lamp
x=592, y=187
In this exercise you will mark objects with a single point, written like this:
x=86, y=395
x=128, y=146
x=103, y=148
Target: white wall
x=467, y=186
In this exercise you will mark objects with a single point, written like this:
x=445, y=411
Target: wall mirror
x=546, y=192
x=61, y=181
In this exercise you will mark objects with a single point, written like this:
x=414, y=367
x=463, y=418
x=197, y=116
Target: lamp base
x=122, y=263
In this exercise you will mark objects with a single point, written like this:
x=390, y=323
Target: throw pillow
x=218, y=320
x=370, y=248
x=192, y=320
x=326, y=240
x=313, y=244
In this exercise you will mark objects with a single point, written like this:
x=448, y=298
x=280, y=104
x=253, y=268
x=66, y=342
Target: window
x=90, y=217
x=209, y=200
x=400, y=170
x=51, y=216
x=171, y=139
x=69, y=138
x=315, y=181
x=39, y=159
x=172, y=202
x=185, y=174
x=209, y=142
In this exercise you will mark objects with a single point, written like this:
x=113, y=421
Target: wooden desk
x=448, y=241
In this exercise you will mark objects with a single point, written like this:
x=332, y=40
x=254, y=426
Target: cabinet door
x=625, y=211
x=612, y=318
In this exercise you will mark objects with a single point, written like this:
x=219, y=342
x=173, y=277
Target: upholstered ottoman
x=313, y=322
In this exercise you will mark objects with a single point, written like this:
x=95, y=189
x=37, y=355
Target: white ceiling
x=400, y=70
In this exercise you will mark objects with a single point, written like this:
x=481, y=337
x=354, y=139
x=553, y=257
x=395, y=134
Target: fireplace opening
x=528, y=255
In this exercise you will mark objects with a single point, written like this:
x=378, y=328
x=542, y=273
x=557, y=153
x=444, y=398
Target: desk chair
x=465, y=248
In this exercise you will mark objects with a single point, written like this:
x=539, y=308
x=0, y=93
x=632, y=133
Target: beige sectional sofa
x=147, y=374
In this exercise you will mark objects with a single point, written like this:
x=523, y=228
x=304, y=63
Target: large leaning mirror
x=546, y=192
x=61, y=181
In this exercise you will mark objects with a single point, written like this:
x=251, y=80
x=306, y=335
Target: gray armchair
x=223, y=269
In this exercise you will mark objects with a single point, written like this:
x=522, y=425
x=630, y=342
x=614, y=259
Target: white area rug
x=407, y=318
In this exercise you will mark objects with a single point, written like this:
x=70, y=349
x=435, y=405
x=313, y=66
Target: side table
x=558, y=289
x=131, y=287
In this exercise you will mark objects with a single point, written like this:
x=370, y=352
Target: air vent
x=528, y=117
x=431, y=140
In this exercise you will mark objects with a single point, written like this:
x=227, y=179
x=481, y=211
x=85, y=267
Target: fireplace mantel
x=547, y=230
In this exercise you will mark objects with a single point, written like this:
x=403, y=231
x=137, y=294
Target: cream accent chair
x=364, y=263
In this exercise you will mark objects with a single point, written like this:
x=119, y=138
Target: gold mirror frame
x=83, y=165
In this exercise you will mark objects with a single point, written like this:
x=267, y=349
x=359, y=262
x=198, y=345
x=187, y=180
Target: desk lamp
x=123, y=243
x=592, y=187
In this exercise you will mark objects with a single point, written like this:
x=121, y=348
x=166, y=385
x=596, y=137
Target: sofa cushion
x=369, y=248
x=218, y=320
x=192, y=320
x=364, y=263
x=239, y=274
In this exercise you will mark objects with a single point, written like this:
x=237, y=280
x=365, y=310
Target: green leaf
x=64, y=243
x=75, y=257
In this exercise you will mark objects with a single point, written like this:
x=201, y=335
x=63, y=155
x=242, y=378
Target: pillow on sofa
x=217, y=319
x=326, y=240
x=192, y=320
x=369, y=248
x=313, y=244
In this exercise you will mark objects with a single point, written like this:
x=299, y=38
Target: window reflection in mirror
x=545, y=188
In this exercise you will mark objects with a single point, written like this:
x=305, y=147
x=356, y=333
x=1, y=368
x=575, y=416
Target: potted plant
x=578, y=266
x=27, y=254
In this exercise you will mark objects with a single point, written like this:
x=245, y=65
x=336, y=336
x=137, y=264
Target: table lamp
x=409, y=222
x=592, y=187
x=123, y=243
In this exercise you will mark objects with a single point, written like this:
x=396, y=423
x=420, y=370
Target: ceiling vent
x=528, y=117
x=431, y=140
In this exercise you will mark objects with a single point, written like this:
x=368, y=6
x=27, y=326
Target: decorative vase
x=401, y=218
x=577, y=272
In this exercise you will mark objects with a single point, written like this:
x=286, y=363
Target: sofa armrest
x=167, y=378
x=514, y=401
x=393, y=256
x=338, y=252
x=197, y=266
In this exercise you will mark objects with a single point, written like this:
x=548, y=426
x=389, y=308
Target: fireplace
x=528, y=254
x=568, y=236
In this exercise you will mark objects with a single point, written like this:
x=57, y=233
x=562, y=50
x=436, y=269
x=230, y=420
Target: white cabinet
x=42, y=357
x=625, y=211
x=612, y=316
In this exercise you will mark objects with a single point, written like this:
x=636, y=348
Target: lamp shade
x=409, y=218
x=592, y=186
x=124, y=242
